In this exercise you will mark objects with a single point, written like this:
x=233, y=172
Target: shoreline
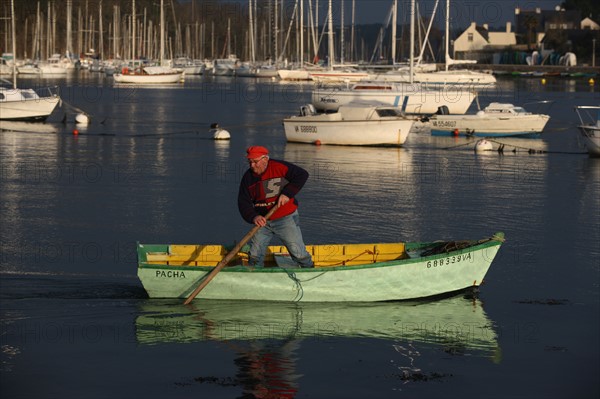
x=514, y=68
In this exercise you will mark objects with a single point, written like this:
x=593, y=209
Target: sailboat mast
x=100, y=51
x=394, y=27
x=162, y=32
x=251, y=31
x=301, y=33
x=447, y=57
x=133, y=30
x=352, y=52
x=14, y=42
x=342, y=34
x=330, y=25
x=412, y=40
x=69, y=28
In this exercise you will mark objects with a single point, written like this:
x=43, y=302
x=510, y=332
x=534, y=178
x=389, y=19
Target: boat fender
x=455, y=132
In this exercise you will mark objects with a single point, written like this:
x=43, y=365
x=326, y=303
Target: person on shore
x=269, y=182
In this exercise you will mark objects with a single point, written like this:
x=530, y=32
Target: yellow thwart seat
x=323, y=255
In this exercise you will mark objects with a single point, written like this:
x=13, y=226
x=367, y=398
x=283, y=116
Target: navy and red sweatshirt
x=259, y=193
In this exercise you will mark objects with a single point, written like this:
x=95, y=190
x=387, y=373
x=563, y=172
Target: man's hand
x=283, y=199
x=260, y=221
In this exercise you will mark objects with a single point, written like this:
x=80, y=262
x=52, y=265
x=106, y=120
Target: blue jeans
x=287, y=229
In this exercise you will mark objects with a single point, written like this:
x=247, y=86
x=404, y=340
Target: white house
x=588, y=23
x=476, y=38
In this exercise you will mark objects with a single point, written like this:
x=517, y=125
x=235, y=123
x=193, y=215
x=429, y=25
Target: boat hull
x=35, y=109
x=413, y=99
x=466, y=79
x=367, y=132
x=409, y=278
x=293, y=74
x=148, y=79
x=332, y=76
x=474, y=125
x=591, y=139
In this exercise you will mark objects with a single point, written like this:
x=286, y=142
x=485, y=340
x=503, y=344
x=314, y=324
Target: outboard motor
x=307, y=110
x=443, y=110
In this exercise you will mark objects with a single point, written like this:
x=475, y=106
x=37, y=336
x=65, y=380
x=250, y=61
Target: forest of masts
x=198, y=29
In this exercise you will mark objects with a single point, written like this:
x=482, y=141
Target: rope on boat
x=265, y=123
x=180, y=132
x=450, y=246
x=74, y=108
x=299, y=288
x=298, y=282
x=529, y=150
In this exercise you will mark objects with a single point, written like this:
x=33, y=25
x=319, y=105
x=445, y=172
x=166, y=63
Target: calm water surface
x=76, y=322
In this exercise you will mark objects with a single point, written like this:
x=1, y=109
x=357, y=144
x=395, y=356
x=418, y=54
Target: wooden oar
x=227, y=258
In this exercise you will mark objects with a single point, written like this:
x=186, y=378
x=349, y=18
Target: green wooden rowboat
x=342, y=272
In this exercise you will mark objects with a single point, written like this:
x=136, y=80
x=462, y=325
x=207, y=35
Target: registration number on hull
x=444, y=123
x=305, y=129
x=449, y=260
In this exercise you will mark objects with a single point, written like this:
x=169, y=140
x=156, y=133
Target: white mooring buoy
x=219, y=133
x=483, y=145
x=82, y=119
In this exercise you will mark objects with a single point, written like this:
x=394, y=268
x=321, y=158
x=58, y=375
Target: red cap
x=256, y=151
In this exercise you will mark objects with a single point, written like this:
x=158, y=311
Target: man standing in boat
x=266, y=183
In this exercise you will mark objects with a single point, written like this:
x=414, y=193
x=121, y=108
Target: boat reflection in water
x=266, y=337
x=457, y=322
x=28, y=127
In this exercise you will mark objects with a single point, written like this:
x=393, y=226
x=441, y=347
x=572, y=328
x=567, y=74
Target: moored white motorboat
x=225, y=66
x=589, y=116
x=189, y=66
x=256, y=70
x=352, y=124
x=148, y=75
x=412, y=98
x=496, y=120
x=25, y=104
x=54, y=66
